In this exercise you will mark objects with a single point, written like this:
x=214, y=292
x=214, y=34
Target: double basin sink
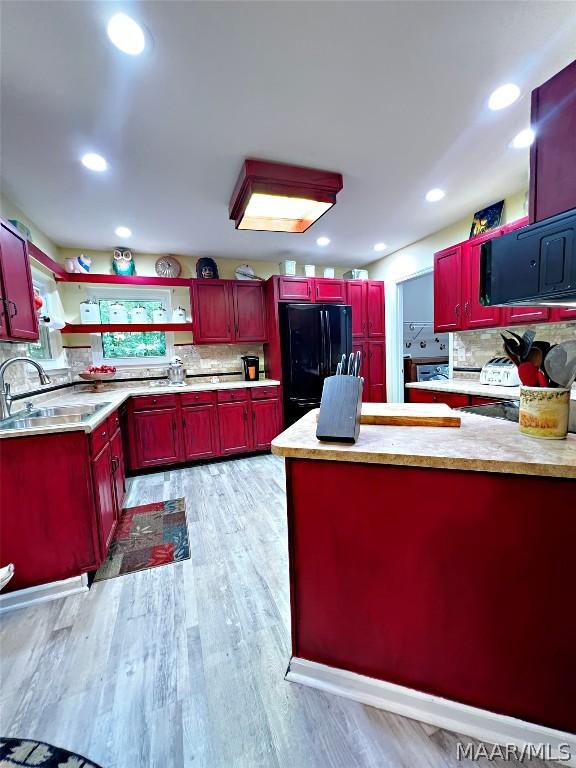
x=45, y=417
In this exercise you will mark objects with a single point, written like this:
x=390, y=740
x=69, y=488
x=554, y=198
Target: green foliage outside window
x=132, y=344
x=40, y=350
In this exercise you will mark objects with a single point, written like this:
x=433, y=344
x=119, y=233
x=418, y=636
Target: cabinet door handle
x=457, y=310
x=236, y=328
x=154, y=401
x=308, y=289
x=317, y=292
x=174, y=425
x=15, y=308
x=103, y=434
x=245, y=414
x=467, y=308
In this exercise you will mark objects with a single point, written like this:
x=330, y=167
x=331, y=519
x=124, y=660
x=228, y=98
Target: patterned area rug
x=26, y=752
x=147, y=536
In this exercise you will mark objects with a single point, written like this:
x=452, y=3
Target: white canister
x=118, y=313
x=89, y=311
x=159, y=315
x=138, y=315
x=179, y=315
x=288, y=268
x=328, y=271
x=309, y=270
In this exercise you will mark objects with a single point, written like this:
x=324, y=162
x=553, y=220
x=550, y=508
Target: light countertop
x=480, y=444
x=468, y=387
x=114, y=395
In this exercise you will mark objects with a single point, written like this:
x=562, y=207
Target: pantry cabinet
x=228, y=311
x=18, y=321
x=366, y=297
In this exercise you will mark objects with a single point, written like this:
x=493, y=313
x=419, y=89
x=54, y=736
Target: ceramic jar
x=179, y=315
x=89, y=311
x=138, y=315
x=159, y=315
x=118, y=313
x=544, y=412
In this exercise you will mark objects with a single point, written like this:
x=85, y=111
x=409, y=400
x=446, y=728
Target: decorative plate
x=168, y=266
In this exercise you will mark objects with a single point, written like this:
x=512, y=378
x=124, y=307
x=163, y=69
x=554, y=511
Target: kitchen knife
x=339, y=369
x=343, y=365
x=357, y=363
x=351, y=364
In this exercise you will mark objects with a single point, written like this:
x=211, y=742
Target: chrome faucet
x=5, y=396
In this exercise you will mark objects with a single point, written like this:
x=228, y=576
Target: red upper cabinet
x=225, y=311
x=211, y=312
x=327, y=290
x=356, y=296
x=474, y=314
x=562, y=314
x=17, y=315
x=295, y=289
x=375, y=309
x=249, y=311
x=553, y=153
x=448, y=289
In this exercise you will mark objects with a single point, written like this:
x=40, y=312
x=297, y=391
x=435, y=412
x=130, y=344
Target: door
x=302, y=351
x=119, y=476
x=211, y=312
x=265, y=423
x=294, y=289
x=362, y=347
x=375, y=309
x=249, y=311
x=326, y=289
x=19, y=318
x=200, y=432
x=475, y=314
x=157, y=437
x=337, y=329
x=448, y=289
x=377, y=371
x=103, y=484
x=234, y=427
x=356, y=298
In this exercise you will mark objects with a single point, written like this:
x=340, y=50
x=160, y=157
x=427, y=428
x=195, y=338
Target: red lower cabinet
x=118, y=470
x=265, y=423
x=200, y=428
x=104, y=497
x=453, y=399
x=235, y=434
x=376, y=364
x=155, y=437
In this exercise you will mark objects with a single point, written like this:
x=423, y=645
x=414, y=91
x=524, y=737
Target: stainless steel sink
x=51, y=416
x=43, y=421
x=66, y=410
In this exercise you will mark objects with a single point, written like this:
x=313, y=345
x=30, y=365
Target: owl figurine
x=122, y=263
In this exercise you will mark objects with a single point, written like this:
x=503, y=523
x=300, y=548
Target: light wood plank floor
x=184, y=665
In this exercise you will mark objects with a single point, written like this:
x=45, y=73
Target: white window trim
x=59, y=361
x=131, y=294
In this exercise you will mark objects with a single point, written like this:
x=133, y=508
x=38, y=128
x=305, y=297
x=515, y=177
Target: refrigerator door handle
x=323, y=345
x=329, y=342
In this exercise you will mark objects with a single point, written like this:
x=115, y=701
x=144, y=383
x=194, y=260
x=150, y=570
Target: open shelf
x=126, y=327
x=122, y=279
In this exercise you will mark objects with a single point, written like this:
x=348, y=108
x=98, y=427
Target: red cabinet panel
x=453, y=399
x=356, y=296
x=376, y=365
x=199, y=424
x=553, y=155
x=249, y=312
x=17, y=315
x=327, y=290
x=566, y=313
x=98, y=438
x=234, y=427
x=118, y=470
x=198, y=398
x=103, y=484
x=265, y=423
x=294, y=289
x=448, y=289
x=265, y=393
x=232, y=395
x=522, y=315
x=149, y=402
x=157, y=438
x=475, y=314
x=211, y=312
x=375, y=309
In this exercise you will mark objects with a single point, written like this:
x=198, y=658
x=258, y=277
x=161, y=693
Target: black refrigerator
x=313, y=338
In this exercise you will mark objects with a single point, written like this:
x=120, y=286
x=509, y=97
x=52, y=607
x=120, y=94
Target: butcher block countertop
x=480, y=444
x=113, y=395
x=468, y=387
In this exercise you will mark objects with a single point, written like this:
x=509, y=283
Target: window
x=48, y=349
x=132, y=347
x=41, y=349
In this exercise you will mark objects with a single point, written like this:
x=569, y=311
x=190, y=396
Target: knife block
x=340, y=408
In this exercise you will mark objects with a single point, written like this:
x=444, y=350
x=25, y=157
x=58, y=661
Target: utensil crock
x=544, y=412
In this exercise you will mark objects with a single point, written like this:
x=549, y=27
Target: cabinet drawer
x=454, y=400
x=146, y=402
x=99, y=437
x=264, y=393
x=232, y=395
x=198, y=398
x=294, y=289
x=113, y=423
x=481, y=400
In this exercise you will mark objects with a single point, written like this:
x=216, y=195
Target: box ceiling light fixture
x=275, y=197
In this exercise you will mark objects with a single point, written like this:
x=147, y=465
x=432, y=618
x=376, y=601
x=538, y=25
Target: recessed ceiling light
x=126, y=34
x=94, y=162
x=523, y=139
x=380, y=247
x=434, y=195
x=122, y=232
x=322, y=241
x=504, y=96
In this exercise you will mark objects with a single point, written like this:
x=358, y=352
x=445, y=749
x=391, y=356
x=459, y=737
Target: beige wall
x=10, y=211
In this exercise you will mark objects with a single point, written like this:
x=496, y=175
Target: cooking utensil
x=538, y=352
x=543, y=379
x=560, y=364
x=343, y=365
x=528, y=374
x=350, y=364
x=357, y=363
x=511, y=349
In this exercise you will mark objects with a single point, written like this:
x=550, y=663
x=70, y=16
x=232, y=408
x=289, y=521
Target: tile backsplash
x=474, y=348
x=22, y=377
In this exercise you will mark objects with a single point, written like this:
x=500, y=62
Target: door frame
x=396, y=380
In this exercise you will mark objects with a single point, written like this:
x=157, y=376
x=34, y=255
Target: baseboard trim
x=43, y=593
x=463, y=719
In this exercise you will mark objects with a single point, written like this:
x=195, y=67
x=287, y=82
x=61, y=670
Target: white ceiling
x=391, y=94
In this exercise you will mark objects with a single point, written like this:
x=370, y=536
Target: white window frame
x=58, y=361
x=131, y=294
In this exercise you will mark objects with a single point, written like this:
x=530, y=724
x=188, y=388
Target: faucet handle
x=29, y=405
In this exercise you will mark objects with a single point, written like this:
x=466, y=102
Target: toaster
x=500, y=371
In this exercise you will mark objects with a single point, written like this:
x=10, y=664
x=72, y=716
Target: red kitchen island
x=432, y=574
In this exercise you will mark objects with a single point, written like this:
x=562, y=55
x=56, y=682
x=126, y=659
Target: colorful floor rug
x=146, y=537
x=29, y=752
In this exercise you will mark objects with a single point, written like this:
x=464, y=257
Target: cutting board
x=410, y=414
